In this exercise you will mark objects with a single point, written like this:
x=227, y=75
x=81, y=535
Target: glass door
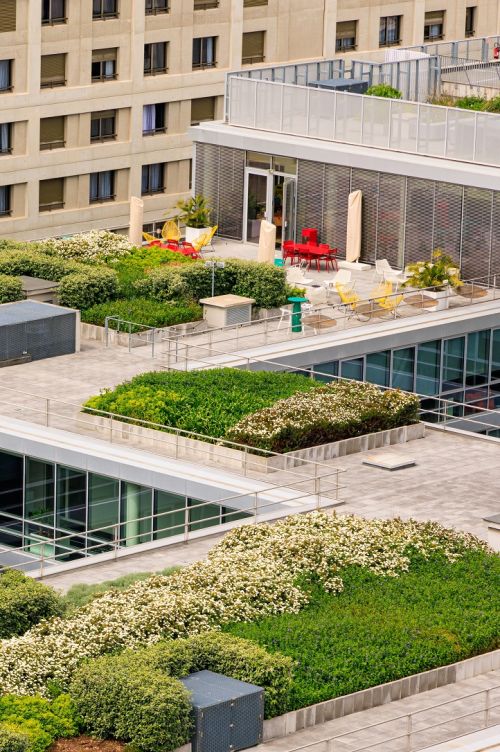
x=289, y=193
x=258, y=202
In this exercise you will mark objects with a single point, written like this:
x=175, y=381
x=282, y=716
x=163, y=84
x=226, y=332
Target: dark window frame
x=149, y=190
x=383, y=31
x=103, y=15
x=8, y=211
x=161, y=128
x=100, y=199
x=200, y=57
x=150, y=52
x=152, y=9
x=49, y=19
x=100, y=136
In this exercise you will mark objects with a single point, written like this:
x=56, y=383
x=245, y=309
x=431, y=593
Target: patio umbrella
x=353, y=242
x=267, y=242
x=136, y=220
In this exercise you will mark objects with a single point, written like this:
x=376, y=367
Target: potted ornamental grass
x=438, y=277
x=195, y=215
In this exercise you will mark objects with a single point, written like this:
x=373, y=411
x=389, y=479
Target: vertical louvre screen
x=336, y=194
x=419, y=220
x=310, y=192
x=8, y=16
x=476, y=232
x=495, y=237
x=391, y=215
x=231, y=187
x=367, y=182
x=207, y=176
x=448, y=218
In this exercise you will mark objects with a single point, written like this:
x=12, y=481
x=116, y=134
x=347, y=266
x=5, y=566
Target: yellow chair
x=148, y=237
x=170, y=231
x=388, y=301
x=211, y=234
x=204, y=239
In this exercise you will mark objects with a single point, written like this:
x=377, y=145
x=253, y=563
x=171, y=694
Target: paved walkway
x=458, y=702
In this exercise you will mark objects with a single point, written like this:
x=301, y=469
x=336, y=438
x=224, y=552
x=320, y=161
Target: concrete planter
x=442, y=298
x=192, y=233
x=98, y=334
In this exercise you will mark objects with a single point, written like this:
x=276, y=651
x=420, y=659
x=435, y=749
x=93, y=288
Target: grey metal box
x=228, y=714
x=38, y=330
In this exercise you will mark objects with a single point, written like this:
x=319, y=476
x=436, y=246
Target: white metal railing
x=393, y=124
x=409, y=722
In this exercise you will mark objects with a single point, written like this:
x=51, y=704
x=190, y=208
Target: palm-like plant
x=194, y=212
x=441, y=272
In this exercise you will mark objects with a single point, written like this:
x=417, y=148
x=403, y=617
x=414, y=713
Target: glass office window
x=39, y=491
x=453, y=363
x=377, y=367
x=495, y=355
x=104, y=507
x=171, y=511
x=202, y=514
x=428, y=366
x=11, y=483
x=478, y=355
x=403, y=364
x=352, y=369
x=327, y=371
x=229, y=514
x=136, y=509
x=71, y=498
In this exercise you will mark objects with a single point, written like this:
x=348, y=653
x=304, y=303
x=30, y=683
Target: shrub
x=254, y=572
x=206, y=402
x=12, y=739
x=24, y=602
x=125, y=698
x=36, y=264
x=143, y=311
x=134, y=266
x=493, y=105
x=264, y=283
x=86, y=289
x=38, y=719
x=96, y=246
x=383, y=90
x=80, y=595
x=11, y=289
x=328, y=413
x=471, y=103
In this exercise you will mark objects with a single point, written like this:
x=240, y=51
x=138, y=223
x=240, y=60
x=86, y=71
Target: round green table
x=296, y=312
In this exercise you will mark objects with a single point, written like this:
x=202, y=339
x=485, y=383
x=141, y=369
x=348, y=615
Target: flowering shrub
x=252, y=573
x=441, y=272
x=328, y=413
x=94, y=247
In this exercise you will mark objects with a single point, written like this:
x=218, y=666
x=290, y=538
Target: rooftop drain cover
x=388, y=461
x=228, y=713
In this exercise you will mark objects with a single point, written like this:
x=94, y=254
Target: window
x=5, y=75
x=478, y=355
x=52, y=132
x=204, y=51
x=470, y=21
x=136, y=509
x=71, y=493
x=39, y=491
x=155, y=58
x=434, y=25
x=53, y=71
x=453, y=363
x=51, y=194
x=428, y=367
x=53, y=12
x=103, y=125
x=102, y=186
x=154, y=119
x=205, y=4
x=156, y=6
x=390, y=31
x=102, y=9
x=5, y=210
x=254, y=3
x=104, y=64
x=253, y=47
x=403, y=364
x=346, y=36
x=11, y=483
x=377, y=367
x=171, y=514
x=202, y=109
x=5, y=138
x=352, y=369
x=8, y=16
x=153, y=179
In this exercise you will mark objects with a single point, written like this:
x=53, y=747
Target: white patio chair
x=387, y=274
x=286, y=314
x=295, y=277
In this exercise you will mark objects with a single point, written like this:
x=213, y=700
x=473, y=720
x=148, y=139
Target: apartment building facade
x=96, y=96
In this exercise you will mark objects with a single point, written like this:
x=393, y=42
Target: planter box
x=98, y=333
x=192, y=233
x=442, y=298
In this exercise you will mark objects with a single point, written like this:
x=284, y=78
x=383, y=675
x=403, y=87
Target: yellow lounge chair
x=148, y=237
x=170, y=230
x=388, y=301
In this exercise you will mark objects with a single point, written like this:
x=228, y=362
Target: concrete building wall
x=294, y=30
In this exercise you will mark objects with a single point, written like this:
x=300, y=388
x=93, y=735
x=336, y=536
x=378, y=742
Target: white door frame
x=269, y=196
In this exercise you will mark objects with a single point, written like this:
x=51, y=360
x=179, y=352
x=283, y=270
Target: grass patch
x=142, y=311
x=80, y=595
x=381, y=629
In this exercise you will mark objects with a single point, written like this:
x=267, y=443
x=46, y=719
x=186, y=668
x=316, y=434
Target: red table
x=317, y=254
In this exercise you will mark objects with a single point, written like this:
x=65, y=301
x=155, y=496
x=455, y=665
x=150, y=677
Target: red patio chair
x=310, y=235
x=289, y=251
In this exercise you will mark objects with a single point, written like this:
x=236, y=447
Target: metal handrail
x=331, y=741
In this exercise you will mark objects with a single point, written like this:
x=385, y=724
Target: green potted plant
x=437, y=276
x=195, y=214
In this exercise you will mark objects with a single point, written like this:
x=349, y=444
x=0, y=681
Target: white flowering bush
x=94, y=247
x=336, y=411
x=252, y=573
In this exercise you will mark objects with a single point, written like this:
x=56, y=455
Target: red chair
x=330, y=257
x=310, y=235
x=289, y=251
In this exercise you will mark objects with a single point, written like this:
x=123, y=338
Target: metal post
x=255, y=506
x=129, y=335
x=116, y=541
x=106, y=330
x=42, y=561
x=408, y=732
x=487, y=709
x=110, y=429
x=245, y=460
x=47, y=412
x=153, y=345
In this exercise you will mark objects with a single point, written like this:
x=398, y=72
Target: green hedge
x=34, y=723
x=383, y=90
x=134, y=267
x=329, y=413
x=125, y=698
x=263, y=282
x=24, y=602
x=33, y=263
x=207, y=402
x=11, y=289
x=85, y=289
x=143, y=311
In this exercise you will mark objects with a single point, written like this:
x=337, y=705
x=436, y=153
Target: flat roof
x=30, y=310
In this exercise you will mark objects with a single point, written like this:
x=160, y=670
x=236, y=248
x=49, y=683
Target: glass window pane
x=39, y=493
x=453, y=363
x=495, y=355
x=377, y=368
x=11, y=483
x=478, y=355
x=171, y=518
x=352, y=369
x=229, y=514
x=71, y=498
x=326, y=371
x=104, y=506
x=403, y=362
x=428, y=363
x=202, y=514
x=255, y=159
x=136, y=504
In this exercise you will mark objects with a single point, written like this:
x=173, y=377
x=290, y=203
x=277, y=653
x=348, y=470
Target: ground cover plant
x=148, y=312
x=11, y=289
x=32, y=724
x=139, y=261
x=205, y=402
x=253, y=573
x=81, y=594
